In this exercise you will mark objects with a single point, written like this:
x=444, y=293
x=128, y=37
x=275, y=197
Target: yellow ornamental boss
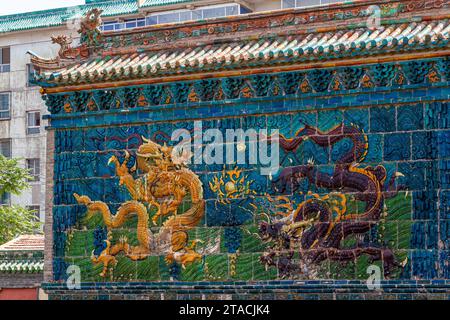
x=231, y=184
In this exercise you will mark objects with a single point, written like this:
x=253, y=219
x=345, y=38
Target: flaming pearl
x=230, y=187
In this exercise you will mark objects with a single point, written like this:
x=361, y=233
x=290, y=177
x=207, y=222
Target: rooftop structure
x=21, y=267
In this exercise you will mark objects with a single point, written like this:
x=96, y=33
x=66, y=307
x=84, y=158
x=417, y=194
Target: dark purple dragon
x=323, y=238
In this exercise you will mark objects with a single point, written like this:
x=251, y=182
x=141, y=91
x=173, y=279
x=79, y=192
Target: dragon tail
x=123, y=213
x=187, y=220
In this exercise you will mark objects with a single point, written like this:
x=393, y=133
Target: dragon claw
x=111, y=160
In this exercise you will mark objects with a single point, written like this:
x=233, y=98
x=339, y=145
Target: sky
x=19, y=6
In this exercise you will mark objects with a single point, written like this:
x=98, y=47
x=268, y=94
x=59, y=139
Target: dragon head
x=84, y=200
x=151, y=155
x=122, y=170
x=62, y=40
x=270, y=230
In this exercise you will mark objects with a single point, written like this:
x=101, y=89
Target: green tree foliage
x=14, y=220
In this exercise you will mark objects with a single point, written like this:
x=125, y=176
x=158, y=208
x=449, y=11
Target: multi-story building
x=22, y=128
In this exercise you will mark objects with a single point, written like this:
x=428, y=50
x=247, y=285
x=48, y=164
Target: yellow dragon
x=164, y=185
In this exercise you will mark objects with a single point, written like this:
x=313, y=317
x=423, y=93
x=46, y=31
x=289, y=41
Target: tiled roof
x=315, y=46
x=24, y=243
x=23, y=266
x=24, y=254
x=155, y=3
x=57, y=17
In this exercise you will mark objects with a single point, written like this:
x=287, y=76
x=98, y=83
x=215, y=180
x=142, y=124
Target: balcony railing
x=178, y=16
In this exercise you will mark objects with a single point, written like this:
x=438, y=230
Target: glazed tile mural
x=360, y=185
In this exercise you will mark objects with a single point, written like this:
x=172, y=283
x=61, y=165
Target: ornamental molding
x=295, y=20
x=298, y=83
x=272, y=68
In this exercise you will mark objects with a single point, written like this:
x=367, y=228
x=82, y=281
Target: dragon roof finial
x=91, y=37
x=89, y=30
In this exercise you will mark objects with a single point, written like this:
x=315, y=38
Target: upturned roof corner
x=90, y=39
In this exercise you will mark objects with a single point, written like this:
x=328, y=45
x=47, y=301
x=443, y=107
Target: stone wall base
x=278, y=290
x=20, y=280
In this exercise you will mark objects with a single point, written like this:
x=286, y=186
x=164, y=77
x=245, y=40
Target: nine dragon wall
x=405, y=125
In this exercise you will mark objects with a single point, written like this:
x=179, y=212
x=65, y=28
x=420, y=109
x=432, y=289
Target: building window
x=30, y=75
x=36, y=210
x=306, y=3
x=5, y=148
x=33, y=166
x=5, y=199
x=134, y=23
x=5, y=105
x=5, y=60
x=33, y=122
x=208, y=12
x=112, y=26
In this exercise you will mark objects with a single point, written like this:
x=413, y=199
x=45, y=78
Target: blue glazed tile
x=444, y=144
x=444, y=270
x=299, y=120
x=116, y=138
x=313, y=152
x=431, y=175
x=444, y=205
x=424, y=264
x=424, y=205
x=80, y=165
x=329, y=119
x=93, y=188
x=432, y=235
x=95, y=139
x=397, y=146
x=413, y=175
x=444, y=174
x=254, y=122
x=341, y=148
x=437, y=115
x=134, y=136
x=282, y=123
x=382, y=119
x=410, y=117
x=375, y=148
x=358, y=117
x=424, y=145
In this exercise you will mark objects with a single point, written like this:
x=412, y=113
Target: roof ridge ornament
x=66, y=51
x=90, y=31
x=90, y=38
